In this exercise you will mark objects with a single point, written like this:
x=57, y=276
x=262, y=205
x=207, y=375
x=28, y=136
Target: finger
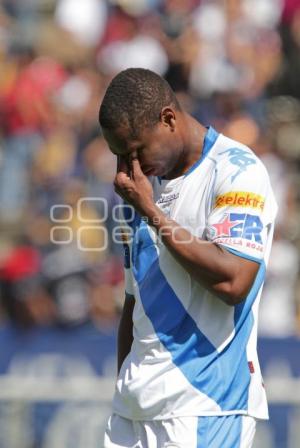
x=136, y=168
x=118, y=190
x=122, y=180
x=124, y=187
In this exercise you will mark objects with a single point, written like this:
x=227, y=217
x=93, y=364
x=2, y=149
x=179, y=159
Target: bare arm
x=125, y=336
x=227, y=275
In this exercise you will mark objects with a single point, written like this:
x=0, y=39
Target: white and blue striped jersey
x=192, y=354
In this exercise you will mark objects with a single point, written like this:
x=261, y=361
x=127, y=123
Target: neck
x=192, y=149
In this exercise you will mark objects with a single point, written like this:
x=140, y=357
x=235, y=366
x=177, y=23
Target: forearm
x=125, y=336
x=228, y=276
x=208, y=263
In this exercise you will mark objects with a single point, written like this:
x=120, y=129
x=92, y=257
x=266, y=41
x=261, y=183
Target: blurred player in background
x=196, y=248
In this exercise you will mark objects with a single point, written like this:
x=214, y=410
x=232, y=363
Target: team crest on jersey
x=238, y=225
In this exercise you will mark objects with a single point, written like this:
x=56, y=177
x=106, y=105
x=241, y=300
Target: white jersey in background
x=192, y=354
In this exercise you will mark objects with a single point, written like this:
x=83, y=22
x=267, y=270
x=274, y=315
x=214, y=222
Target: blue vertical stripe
x=223, y=377
x=219, y=432
x=191, y=351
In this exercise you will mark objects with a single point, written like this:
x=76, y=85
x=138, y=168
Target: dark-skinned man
x=198, y=223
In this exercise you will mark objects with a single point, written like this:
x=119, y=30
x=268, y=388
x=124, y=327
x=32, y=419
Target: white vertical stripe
x=248, y=431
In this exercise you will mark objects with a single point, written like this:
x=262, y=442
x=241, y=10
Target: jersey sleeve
x=243, y=210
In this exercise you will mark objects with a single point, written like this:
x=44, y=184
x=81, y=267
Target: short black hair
x=134, y=99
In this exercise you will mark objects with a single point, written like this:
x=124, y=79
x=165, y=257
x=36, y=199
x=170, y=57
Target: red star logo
x=223, y=228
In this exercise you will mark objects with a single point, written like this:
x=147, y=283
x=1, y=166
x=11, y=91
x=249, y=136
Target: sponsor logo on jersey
x=239, y=225
x=240, y=199
x=168, y=198
x=240, y=243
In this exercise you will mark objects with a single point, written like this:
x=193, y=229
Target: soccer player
x=198, y=222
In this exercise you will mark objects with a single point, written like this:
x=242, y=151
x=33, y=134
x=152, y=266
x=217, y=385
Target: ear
x=168, y=117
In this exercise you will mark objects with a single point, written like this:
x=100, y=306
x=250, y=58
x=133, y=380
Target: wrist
x=152, y=213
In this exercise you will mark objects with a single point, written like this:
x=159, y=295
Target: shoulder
x=241, y=179
x=237, y=164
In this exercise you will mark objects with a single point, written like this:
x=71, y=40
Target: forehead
x=121, y=141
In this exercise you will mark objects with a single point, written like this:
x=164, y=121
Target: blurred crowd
x=234, y=64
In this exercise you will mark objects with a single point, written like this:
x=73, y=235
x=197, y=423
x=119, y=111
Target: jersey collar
x=209, y=141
